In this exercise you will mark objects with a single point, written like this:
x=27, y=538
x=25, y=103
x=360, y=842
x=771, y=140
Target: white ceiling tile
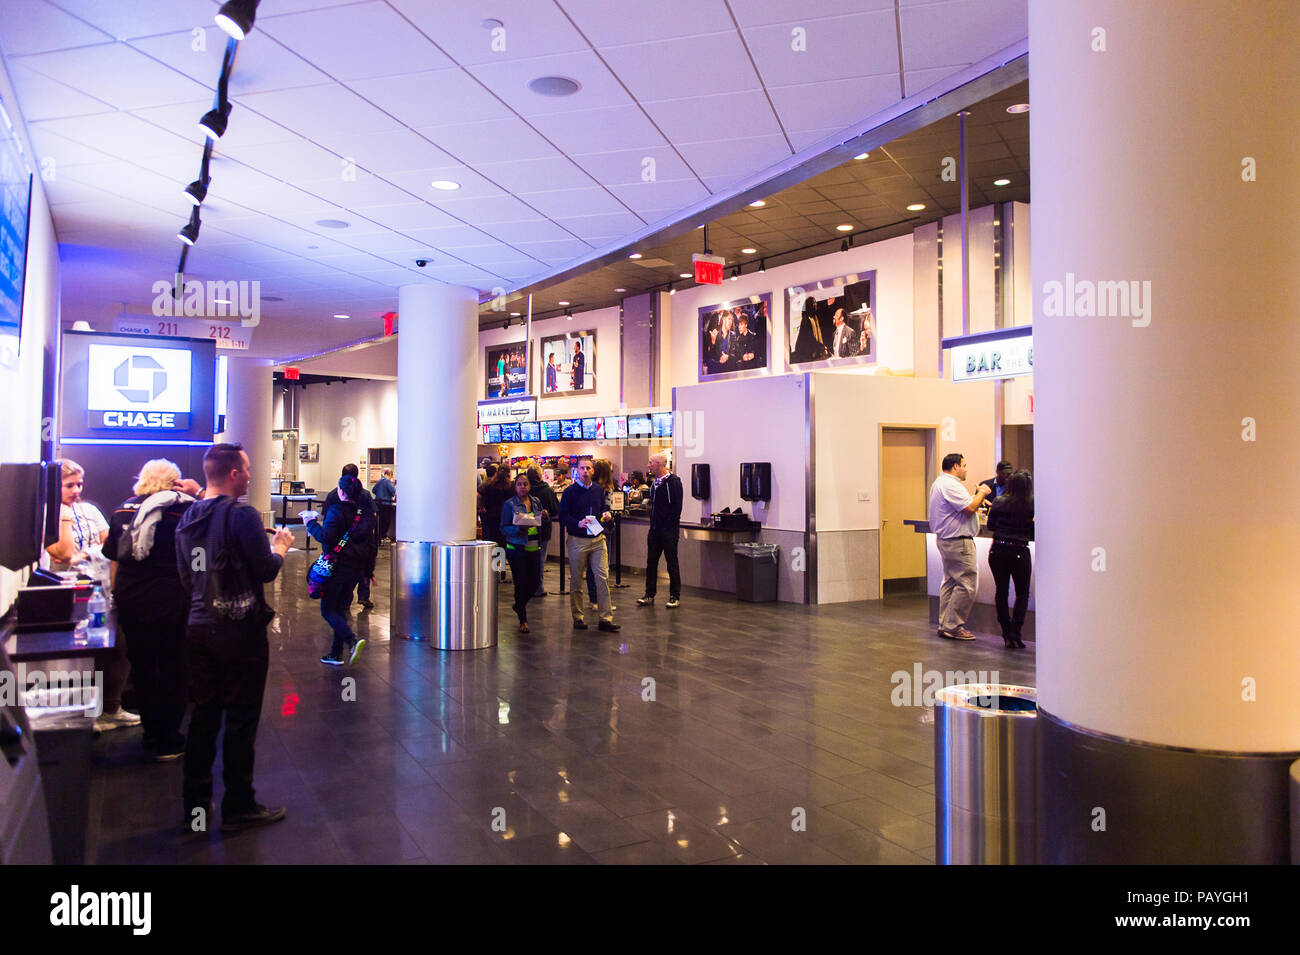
x=434, y=98
x=509, y=80
x=958, y=32
x=397, y=151
x=44, y=98
x=864, y=44
x=292, y=159
x=839, y=103
x=248, y=187
x=529, y=175
x=356, y=41
x=719, y=183
x=387, y=244
x=450, y=237
x=641, y=67
x=574, y=202
x=62, y=151
x=532, y=29
x=914, y=81
x=533, y=231
x=354, y=262
x=357, y=191
x=261, y=64
x=493, y=141
x=760, y=12
x=597, y=227
x=330, y=115
x=118, y=134
x=121, y=76
x=143, y=17
x=38, y=27
x=418, y=182
x=121, y=178
x=609, y=24
x=487, y=209
x=600, y=130
x=673, y=193
x=411, y=215
x=490, y=256
x=724, y=116
x=626, y=166
x=735, y=157
x=309, y=221
x=563, y=250
x=802, y=139
x=63, y=189
x=245, y=127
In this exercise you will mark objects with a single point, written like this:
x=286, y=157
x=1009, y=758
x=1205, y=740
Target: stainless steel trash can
x=756, y=571
x=985, y=774
x=445, y=593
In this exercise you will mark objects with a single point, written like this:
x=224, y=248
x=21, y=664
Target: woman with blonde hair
x=152, y=604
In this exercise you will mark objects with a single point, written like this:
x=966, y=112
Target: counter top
x=55, y=644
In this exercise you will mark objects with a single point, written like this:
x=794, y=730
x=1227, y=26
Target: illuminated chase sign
x=1006, y=353
x=138, y=388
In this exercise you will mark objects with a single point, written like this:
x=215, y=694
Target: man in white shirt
x=954, y=523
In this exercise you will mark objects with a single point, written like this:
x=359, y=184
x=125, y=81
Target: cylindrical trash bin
x=756, y=566
x=464, y=595
x=985, y=774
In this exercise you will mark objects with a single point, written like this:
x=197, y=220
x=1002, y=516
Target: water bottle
x=98, y=613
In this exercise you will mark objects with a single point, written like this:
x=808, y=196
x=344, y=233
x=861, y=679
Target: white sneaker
x=116, y=720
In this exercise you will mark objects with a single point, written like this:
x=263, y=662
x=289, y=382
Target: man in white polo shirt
x=954, y=523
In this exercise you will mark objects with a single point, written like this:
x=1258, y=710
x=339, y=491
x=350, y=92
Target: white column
x=1167, y=438
x=248, y=421
x=438, y=368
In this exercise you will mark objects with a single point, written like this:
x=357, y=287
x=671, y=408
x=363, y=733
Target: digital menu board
x=530, y=431
x=590, y=428
x=510, y=432
x=615, y=426
x=663, y=421
x=570, y=429
x=639, y=426
x=551, y=430
x=493, y=433
x=483, y=435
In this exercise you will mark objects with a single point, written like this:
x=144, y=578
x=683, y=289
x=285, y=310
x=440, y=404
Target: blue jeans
x=335, y=605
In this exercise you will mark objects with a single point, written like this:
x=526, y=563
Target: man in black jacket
x=224, y=560
x=368, y=575
x=352, y=514
x=665, y=528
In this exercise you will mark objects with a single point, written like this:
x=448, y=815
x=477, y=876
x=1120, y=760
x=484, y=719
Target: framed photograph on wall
x=735, y=337
x=832, y=322
x=568, y=363
x=506, y=373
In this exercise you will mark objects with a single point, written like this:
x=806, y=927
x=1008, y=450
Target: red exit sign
x=291, y=373
x=708, y=269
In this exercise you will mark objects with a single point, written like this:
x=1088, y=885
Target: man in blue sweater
x=582, y=511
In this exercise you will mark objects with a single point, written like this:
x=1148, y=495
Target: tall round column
x=1164, y=250
x=248, y=421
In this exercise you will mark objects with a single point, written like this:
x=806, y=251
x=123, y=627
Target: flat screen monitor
x=570, y=429
x=15, y=207
x=590, y=427
x=510, y=432
x=551, y=430
x=663, y=421
x=639, y=426
x=616, y=426
x=493, y=433
x=483, y=437
x=530, y=431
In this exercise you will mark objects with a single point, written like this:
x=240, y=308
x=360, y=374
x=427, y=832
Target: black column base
x=1162, y=805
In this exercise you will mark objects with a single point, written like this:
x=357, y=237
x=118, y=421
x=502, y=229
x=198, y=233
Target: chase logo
x=140, y=369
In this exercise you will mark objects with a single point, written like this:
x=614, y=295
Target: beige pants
x=581, y=550
x=960, y=579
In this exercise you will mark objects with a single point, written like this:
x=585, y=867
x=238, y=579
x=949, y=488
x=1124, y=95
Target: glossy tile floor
x=771, y=738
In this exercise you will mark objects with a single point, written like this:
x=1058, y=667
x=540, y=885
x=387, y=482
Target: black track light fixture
x=214, y=121
x=197, y=191
x=189, y=233
x=236, y=17
x=762, y=265
x=844, y=246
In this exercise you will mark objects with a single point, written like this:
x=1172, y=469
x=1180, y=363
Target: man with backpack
x=224, y=560
x=347, y=539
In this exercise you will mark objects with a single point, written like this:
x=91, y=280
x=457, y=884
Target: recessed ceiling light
x=221, y=301
x=446, y=185
x=683, y=275
x=748, y=251
x=861, y=156
x=515, y=314
x=916, y=207
x=844, y=228
x=342, y=316
x=333, y=224
x=1001, y=182
x=561, y=303
x=635, y=255
x=1018, y=108
x=758, y=204
x=620, y=290
x=554, y=86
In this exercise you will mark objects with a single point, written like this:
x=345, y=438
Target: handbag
x=323, y=568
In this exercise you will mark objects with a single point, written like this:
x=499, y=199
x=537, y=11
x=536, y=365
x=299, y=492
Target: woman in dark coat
x=352, y=515
x=492, y=497
x=1011, y=522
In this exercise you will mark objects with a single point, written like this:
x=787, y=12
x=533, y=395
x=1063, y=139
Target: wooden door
x=902, y=497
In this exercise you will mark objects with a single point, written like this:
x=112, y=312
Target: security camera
x=421, y=262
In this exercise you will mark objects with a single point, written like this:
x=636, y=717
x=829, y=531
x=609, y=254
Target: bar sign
x=708, y=269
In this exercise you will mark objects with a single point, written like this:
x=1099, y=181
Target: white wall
x=345, y=418
x=20, y=425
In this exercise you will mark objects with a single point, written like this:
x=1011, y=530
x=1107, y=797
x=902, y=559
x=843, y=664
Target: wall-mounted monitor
x=493, y=433
x=483, y=436
x=570, y=429
x=663, y=422
x=15, y=205
x=639, y=426
x=568, y=363
x=551, y=430
x=530, y=431
x=615, y=426
x=510, y=432
x=590, y=427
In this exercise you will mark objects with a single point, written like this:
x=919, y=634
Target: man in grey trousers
x=954, y=523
